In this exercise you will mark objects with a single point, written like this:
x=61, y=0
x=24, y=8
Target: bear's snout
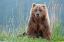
x=37, y=14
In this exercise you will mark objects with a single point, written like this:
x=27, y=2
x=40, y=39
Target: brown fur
x=38, y=26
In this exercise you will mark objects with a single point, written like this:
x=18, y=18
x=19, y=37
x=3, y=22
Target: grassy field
x=26, y=39
x=56, y=36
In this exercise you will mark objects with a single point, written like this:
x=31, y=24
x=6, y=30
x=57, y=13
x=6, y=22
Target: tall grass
x=56, y=36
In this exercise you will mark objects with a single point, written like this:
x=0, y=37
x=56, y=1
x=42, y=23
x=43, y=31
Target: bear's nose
x=37, y=14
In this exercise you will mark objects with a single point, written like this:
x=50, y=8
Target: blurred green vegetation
x=56, y=36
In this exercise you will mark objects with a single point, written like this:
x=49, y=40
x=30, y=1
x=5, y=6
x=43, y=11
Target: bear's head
x=38, y=10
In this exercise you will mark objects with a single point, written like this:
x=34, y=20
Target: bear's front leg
x=46, y=34
x=31, y=30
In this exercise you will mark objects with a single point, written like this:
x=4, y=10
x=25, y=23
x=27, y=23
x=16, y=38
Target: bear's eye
x=35, y=10
x=40, y=10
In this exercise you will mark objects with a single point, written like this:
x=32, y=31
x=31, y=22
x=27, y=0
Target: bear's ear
x=33, y=5
x=44, y=5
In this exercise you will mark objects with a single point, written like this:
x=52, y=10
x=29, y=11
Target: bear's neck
x=38, y=20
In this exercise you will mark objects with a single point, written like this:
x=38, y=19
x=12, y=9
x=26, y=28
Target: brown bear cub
x=38, y=23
